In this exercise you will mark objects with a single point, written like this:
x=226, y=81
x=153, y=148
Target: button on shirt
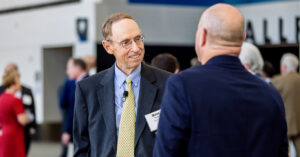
x=120, y=85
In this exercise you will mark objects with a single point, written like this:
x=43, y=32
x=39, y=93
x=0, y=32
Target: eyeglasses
x=127, y=44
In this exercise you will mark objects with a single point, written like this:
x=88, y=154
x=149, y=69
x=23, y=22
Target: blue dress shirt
x=120, y=85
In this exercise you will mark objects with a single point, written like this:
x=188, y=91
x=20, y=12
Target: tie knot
x=128, y=80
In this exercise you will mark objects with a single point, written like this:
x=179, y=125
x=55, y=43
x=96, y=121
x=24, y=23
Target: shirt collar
x=81, y=77
x=120, y=77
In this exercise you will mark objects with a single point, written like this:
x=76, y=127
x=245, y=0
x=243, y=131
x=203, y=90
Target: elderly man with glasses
x=110, y=107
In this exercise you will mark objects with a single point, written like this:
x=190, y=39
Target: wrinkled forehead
x=125, y=29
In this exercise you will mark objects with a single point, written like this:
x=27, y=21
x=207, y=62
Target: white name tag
x=27, y=100
x=152, y=120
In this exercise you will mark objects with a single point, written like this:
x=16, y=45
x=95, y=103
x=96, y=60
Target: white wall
x=25, y=33
x=161, y=24
x=288, y=11
x=10, y=4
x=176, y=25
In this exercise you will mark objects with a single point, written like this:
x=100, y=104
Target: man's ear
x=245, y=36
x=203, y=37
x=283, y=69
x=107, y=46
x=247, y=68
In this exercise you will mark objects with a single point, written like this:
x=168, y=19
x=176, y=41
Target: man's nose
x=135, y=46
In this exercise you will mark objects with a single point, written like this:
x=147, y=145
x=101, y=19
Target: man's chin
x=134, y=65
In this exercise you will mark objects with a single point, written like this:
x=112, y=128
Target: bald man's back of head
x=219, y=109
x=224, y=25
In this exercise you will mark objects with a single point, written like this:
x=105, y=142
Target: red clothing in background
x=12, y=137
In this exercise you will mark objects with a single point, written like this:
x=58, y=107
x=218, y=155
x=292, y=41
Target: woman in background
x=12, y=118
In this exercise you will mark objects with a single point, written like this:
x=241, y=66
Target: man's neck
x=82, y=74
x=219, y=50
x=287, y=72
x=127, y=71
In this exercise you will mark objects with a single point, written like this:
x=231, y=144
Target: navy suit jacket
x=221, y=110
x=66, y=103
x=94, y=132
x=2, y=89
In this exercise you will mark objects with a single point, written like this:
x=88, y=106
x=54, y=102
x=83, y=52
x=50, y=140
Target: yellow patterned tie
x=125, y=146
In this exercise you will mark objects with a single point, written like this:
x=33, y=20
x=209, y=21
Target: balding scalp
x=220, y=26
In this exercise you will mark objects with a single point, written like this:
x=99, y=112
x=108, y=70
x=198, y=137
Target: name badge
x=27, y=100
x=152, y=120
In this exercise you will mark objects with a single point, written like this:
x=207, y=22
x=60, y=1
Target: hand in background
x=30, y=115
x=32, y=131
x=65, y=138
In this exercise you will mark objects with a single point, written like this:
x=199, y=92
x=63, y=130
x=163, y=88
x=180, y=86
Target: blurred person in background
x=25, y=94
x=167, y=62
x=288, y=85
x=194, y=62
x=220, y=109
x=13, y=117
x=268, y=71
x=76, y=71
x=91, y=64
x=251, y=58
x=66, y=99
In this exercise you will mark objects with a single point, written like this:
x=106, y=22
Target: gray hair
x=250, y=55
x=290, y=61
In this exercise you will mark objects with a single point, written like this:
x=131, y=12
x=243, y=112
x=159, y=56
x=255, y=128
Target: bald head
x=220, y=31
x=224, y=25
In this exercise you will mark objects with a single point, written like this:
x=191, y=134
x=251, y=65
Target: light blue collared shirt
x=120, y=85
